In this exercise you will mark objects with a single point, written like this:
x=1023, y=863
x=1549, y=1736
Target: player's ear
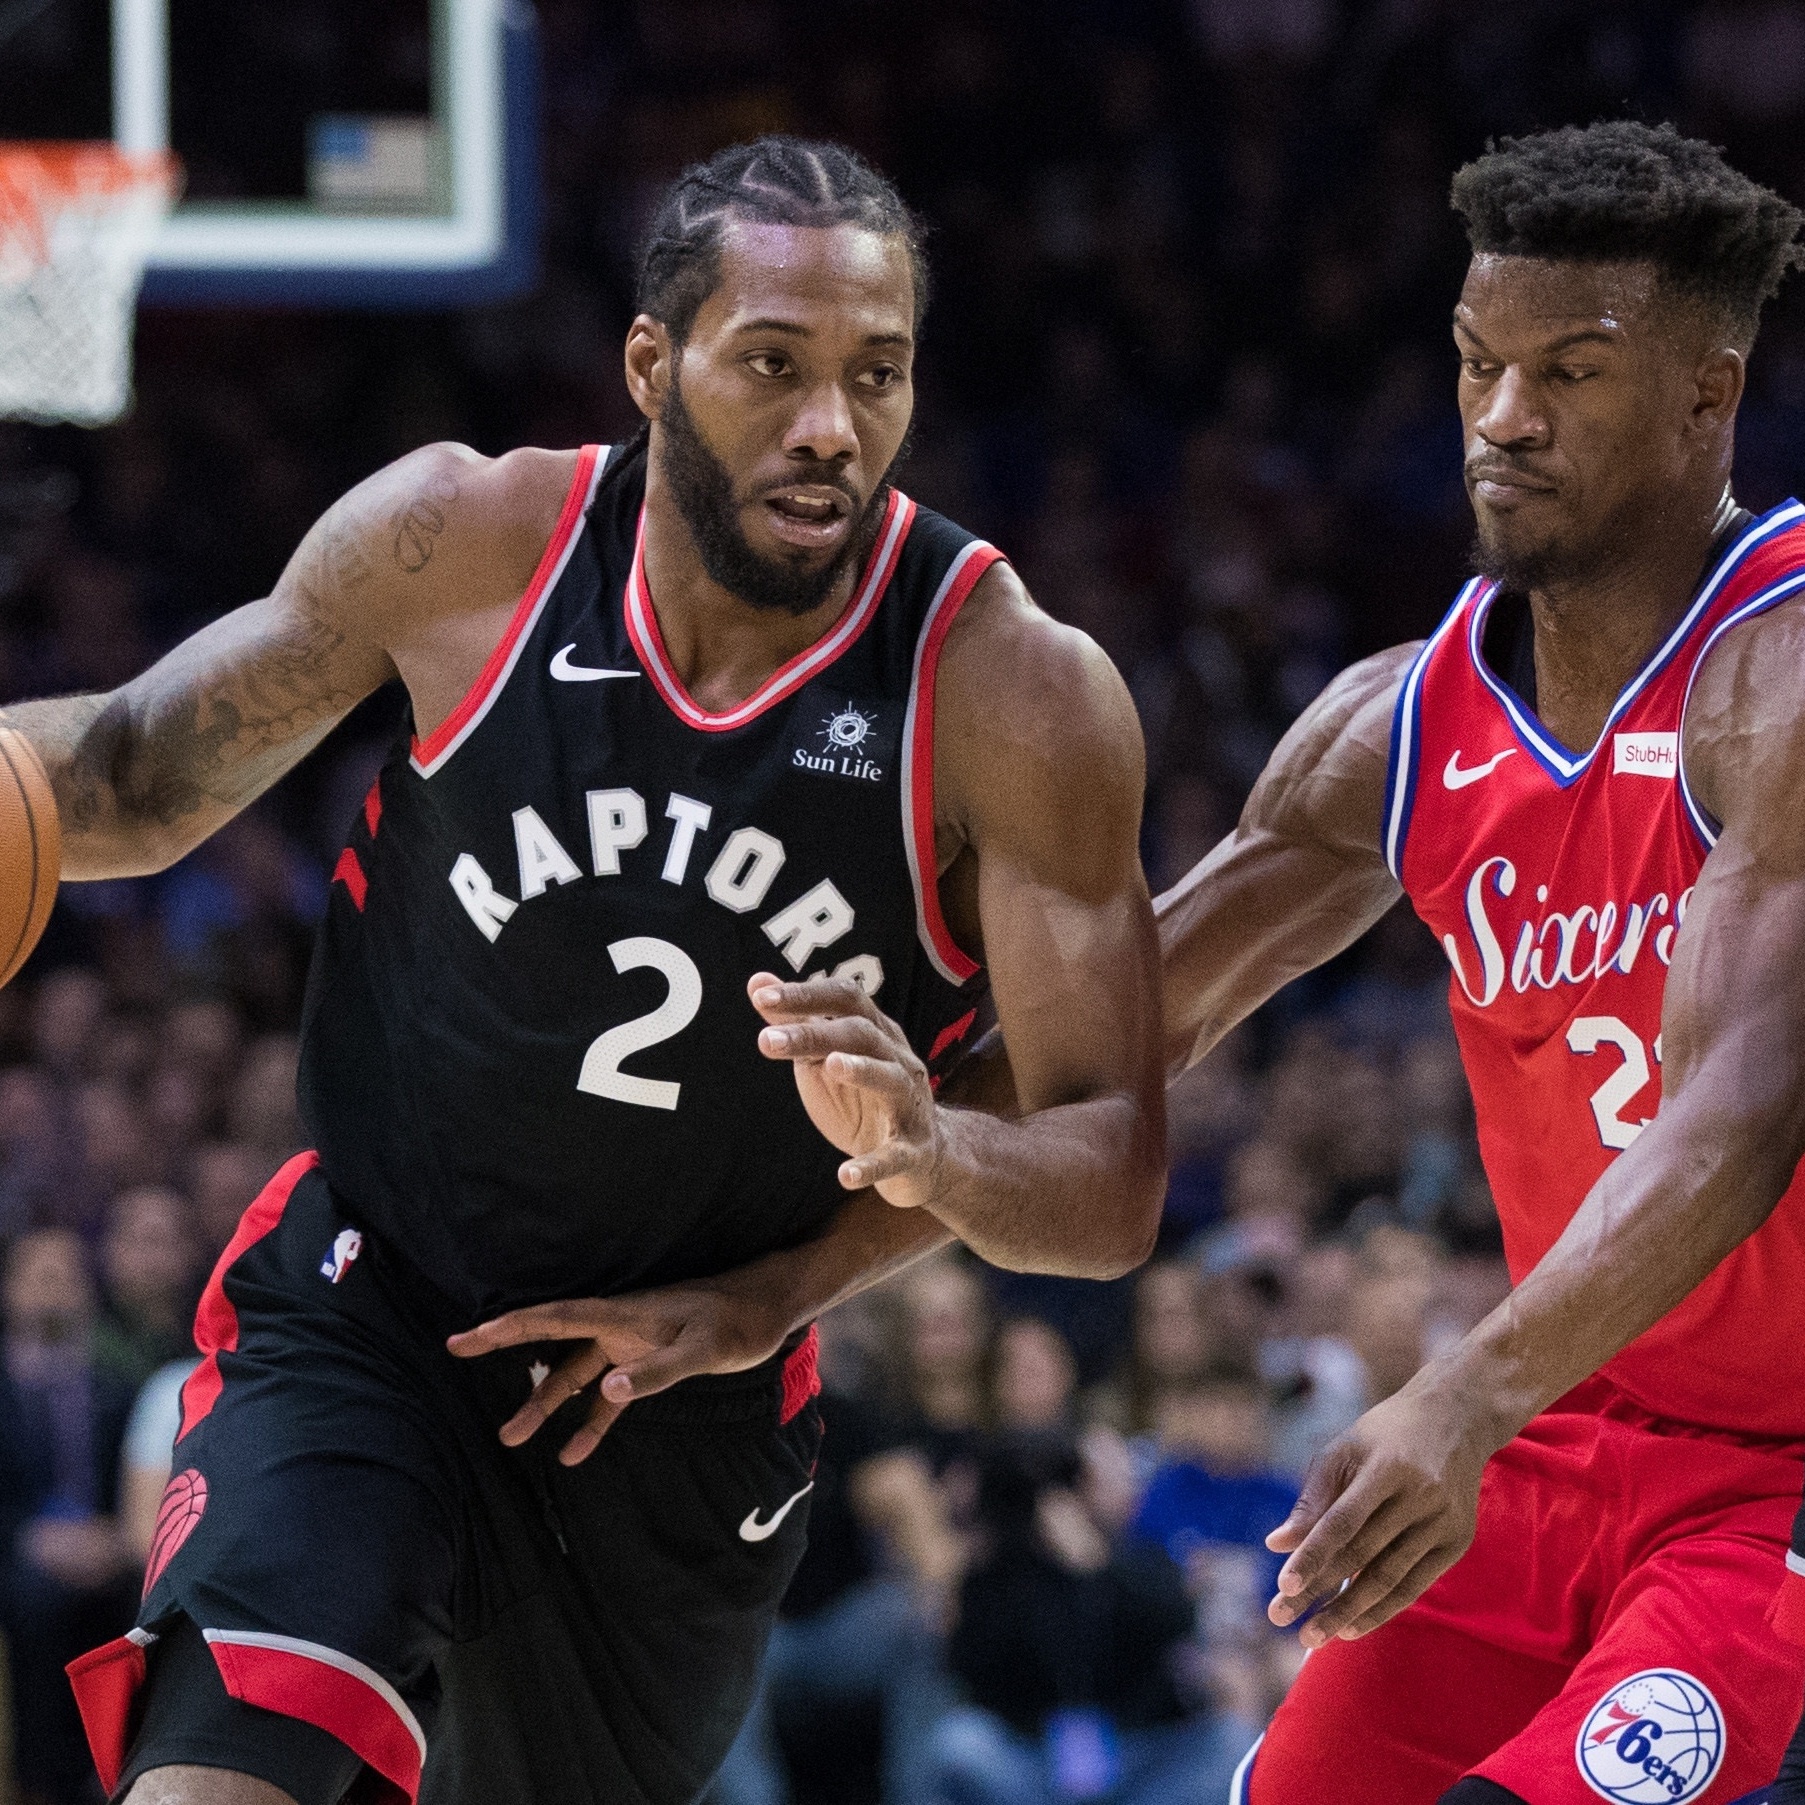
x=650, y=356
x=1718, y=388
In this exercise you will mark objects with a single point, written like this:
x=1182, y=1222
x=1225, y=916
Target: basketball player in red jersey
x=1588, y=783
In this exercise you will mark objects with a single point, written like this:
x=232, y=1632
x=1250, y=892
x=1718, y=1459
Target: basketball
x=31, y=845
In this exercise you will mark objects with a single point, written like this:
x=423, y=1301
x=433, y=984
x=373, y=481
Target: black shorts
x=361, y=1554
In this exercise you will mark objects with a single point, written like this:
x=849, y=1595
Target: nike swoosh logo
x=754, y=1531
x=566, y=672
x=1454, y=778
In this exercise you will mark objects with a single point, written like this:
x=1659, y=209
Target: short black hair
x=1623, y=190
x=774, y=180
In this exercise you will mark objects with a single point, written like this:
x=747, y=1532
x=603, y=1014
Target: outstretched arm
x=144, y=773
x=1391, y=1505
x=1038, y=773
x=1300, y=879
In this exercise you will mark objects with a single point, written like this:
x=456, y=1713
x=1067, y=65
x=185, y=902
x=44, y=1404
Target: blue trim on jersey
x=1560, y=762
x=1787, y=587
x=1406, y=741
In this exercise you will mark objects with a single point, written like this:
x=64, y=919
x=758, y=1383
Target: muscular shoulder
x=439, y=533
x=1326, y=781
x=1744, y=745
x=1033, y=723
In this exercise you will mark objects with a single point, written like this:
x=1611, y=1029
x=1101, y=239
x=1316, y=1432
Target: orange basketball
x=31, y=851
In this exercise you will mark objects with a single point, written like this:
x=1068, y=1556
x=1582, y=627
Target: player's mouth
x=813, y=516
x=1499, y=486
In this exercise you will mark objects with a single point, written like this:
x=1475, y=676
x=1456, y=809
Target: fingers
x=1371, y=1584
x=1323, y=1484
x=778, y=1001
x=895, y=1159
x=1406, y=1590
x=568, y=1320
x=602, y=1415
x=1353, y=1531
x=687, y=1356
x=819, y=1036
x=551, y=1393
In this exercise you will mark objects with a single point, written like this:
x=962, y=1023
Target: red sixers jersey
x=1556, y=883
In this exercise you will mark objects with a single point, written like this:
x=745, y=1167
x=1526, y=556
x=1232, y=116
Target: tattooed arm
x=406, y=575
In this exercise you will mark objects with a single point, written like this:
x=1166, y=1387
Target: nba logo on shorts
x=345, y=1249
x=1656, y=1737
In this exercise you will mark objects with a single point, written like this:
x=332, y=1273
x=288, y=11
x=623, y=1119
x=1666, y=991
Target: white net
x=77, y=222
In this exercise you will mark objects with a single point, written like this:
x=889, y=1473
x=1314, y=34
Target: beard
x=703, y=489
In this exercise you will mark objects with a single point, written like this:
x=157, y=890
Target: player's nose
x=823, y=428
x=1512, y=415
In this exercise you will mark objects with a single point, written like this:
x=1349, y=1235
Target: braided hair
x=1623, y=190
x=772, y=181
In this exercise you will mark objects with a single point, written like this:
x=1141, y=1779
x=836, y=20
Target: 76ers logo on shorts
x=1655, y=1737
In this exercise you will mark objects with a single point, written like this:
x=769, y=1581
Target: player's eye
x=884, y=376
x=1567, y=374
x=1476, y=367
x=768, y=363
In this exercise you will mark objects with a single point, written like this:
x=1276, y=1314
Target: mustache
x=815, y=475
x=1505, y=469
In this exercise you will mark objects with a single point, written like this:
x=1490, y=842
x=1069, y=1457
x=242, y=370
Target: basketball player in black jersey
x=735, y=781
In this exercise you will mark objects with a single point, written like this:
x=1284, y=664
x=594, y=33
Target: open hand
x=1386, y=1510
x=860, y=1081
x=635, y=1345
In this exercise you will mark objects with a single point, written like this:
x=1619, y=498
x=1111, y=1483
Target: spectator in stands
x=1067, y=1648
x=946, y=1354
x=145, y=1458
x=65, y=1572
x=1035, y=1376
x=1215, y=1489
x=147, y=1277
x=224, y=1179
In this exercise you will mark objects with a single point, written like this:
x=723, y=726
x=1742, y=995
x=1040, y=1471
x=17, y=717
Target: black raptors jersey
x=528, y=1060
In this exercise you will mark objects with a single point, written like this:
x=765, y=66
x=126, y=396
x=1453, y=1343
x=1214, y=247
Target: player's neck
x=721, y=648
x=1592, y=636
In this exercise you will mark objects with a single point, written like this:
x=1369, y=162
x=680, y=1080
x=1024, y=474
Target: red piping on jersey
x=962, y=580
x=855, y=617
x=801, y=1374
x=216, y=1321
x=332, y=1692
x=349, y=871
x=373, y=807
x=570, y=518
x=106, y=1682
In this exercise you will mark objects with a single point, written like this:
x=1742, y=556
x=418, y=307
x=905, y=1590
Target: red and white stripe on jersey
x=329, y=1690
x=1556, y=881
x=284, y=1674
x=648, y=642
x=949, y=959
x=428, y=754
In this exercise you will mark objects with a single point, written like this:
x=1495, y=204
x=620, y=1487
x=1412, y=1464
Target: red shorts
x=1606, y=1636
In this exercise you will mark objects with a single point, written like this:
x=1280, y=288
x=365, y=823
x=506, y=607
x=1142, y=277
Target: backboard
x=364, y=153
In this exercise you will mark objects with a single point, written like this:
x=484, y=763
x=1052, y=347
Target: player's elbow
x=1137, y=1226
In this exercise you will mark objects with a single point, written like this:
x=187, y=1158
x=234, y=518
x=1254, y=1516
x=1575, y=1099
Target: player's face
x=788, y=403
x=1575, y=398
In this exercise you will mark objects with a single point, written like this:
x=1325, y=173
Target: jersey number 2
x=601, y=1075
x=1587, y=1035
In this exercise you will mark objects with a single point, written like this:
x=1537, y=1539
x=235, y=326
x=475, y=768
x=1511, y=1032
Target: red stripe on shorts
x=216, y=1321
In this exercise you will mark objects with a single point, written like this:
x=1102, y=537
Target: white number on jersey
x=601, y=1075
x=1586, y=1036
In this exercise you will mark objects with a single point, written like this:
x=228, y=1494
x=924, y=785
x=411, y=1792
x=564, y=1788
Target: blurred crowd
x=1188, y=364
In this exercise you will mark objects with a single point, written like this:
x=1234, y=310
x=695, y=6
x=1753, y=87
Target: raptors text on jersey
x=1556, y=882
x=529, y=1060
